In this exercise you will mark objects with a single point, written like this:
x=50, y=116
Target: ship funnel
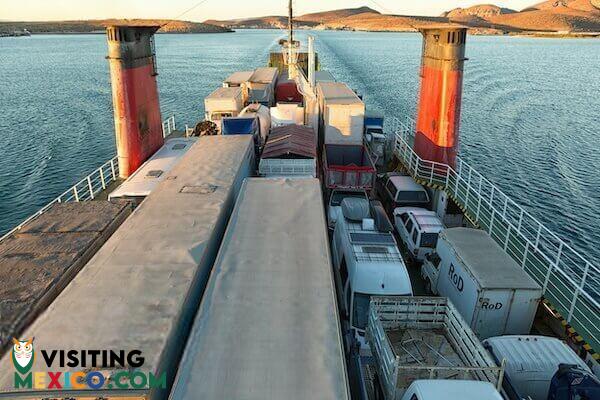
x=138, y=122
x=440, y=96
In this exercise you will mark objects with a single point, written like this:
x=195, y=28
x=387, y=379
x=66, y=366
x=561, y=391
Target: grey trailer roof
x=492, y=266
x=225, y=93
x=264, y=75
x=337, y=93
x=324, y=76
x=142, y=288
x=237, y=78
x=41, y=258
x=268, y=326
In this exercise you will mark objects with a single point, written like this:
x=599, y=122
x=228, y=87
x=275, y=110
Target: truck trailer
x=268, y=326
x=143, y=287
x=490, y=290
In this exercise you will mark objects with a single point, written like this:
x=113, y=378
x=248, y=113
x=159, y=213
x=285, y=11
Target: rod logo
x=23, y=355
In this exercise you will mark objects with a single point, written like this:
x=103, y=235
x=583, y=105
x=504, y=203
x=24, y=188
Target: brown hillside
x=581, y=5
x=481, y=11
x=563, y=19
x=379, y=22
x=335, y=15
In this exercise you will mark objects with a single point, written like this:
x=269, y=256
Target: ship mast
x=290, y=38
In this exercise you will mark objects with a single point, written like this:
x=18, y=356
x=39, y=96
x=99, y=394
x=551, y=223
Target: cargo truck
x=542, y=368
x=490, y=290
x=342, y=114
x=223, y=102
x=261, y=86
x=290, y=151
x=417, y=338
x=348, y=167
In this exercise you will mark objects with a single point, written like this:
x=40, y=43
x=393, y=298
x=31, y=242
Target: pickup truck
x=417, y=338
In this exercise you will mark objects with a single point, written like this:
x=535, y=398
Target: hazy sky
x=221, y=9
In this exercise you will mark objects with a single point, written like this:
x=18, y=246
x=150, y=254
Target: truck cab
x=375, y=138
x=451, y=390
x=396, y=190
x=334, y=209
x=419, y=229
x=542, y=368
x=367, y=263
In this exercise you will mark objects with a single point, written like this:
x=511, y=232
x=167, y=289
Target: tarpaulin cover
x=287, y=92
x=291, y=140
x=240, y=126
x=355, y=209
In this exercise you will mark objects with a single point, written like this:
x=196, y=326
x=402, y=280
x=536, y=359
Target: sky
x=49, y=10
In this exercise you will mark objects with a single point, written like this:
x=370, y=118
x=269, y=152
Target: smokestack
x=441, y=93
x=138, y=121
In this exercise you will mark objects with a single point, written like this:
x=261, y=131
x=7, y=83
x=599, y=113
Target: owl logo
x=23, y=355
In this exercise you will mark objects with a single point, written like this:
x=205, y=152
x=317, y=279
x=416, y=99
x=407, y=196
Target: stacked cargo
x=262, y=86
x=239, y=79
x=223, y=102
x=342, y=114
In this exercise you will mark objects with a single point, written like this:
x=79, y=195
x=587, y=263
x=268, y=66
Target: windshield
x=420, y=196
x=337, y=197
x=360, y=310
x=429, y=240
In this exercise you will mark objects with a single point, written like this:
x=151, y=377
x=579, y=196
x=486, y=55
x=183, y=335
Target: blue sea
x=530, y=121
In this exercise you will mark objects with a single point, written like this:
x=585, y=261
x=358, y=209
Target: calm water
x=531, y=114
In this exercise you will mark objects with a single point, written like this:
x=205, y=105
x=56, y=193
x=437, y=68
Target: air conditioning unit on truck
x=423, y=338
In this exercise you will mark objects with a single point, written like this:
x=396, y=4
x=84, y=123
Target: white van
x=419, y=229
x=366, y=262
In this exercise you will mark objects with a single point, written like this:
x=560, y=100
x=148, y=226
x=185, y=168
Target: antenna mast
x=290, y=25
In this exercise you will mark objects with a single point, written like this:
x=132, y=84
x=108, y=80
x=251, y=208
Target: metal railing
x=168, y=126
x=84, y=190
x=93, y=184
x=571, y=283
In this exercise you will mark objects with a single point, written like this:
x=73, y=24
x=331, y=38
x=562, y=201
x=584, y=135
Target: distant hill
x=170, y=26
x=550, y=16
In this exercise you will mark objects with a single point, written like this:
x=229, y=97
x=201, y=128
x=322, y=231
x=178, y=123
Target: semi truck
x=342, y=114
x=223, y=102
x=423, y=338
x=490, y=290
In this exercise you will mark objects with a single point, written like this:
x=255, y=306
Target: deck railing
x=168, y=126
x=93, y=184
x=86, y=189
x=571, y=283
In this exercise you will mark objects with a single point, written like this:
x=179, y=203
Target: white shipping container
x=492, y=293
x=342, y=114
x=224, y=101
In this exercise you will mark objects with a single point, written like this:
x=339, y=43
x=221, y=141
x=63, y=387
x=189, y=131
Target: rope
x=198, y=4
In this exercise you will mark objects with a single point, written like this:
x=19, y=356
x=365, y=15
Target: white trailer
x=342, y=114
x=416, y=338
x=268, y=326
x=262, y=84
x=141, y=289
x=223, y=102
x=239, y=79
x=490, y=290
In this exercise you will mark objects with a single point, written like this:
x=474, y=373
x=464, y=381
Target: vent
x=375, y=250
x=155, y=173
x=178, y=146
x=200, y=189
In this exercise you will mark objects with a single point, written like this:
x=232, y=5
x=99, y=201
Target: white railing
x=168, y=126
x=84, y=190
x=571, y=283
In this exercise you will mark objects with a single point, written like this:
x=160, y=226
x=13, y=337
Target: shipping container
x=143, y=287
x=223, y=102
x=147, y=177
x=239, y=79
x=348, y=167
x=268, y=325
x=342, y=114
x=324, y=76
x=262, y=86
x=287, y=114
x=291, y=150
x=490, y=290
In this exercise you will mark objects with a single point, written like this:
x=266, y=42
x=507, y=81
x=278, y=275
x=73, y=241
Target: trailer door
x=491, y=313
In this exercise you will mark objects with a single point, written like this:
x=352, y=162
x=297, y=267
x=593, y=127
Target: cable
x=390, y=12
x=198, y=4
